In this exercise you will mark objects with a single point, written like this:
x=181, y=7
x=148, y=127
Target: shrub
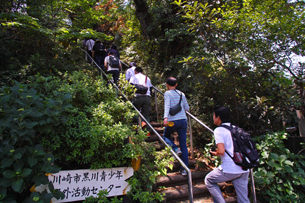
x=24, y=116
x=280, y=176
x=96, y=127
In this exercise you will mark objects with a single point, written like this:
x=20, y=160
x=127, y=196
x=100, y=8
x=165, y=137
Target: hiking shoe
x=178, y=152
x=183, y=172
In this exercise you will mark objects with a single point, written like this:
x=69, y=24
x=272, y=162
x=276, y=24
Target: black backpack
x=101, y=49
x=114, y=62
x=245, y=152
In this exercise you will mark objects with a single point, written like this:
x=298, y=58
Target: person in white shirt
x=142, y=101
x=130, y=71
x=228, y=170
x=89, y=45
x=114, y=71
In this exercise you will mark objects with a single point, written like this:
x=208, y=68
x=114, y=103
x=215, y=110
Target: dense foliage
x=97, y=122
x=238, y=56
x=25, y=115
x=242, y=54
x=280, y=176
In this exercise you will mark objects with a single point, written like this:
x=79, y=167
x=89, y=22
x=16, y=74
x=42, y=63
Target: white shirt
x=109, y=67
x=130, y=72
x=139, y=78
x=90, y=44
x=223, y=135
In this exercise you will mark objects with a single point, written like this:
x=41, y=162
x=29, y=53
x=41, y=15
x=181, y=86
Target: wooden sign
x=79, y=184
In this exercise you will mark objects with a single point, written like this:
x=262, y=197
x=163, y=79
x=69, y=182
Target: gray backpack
x=114, y=62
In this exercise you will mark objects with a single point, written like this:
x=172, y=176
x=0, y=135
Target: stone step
x=177, y=165
x=174, y=179
x=181, y=192
x=207, y=199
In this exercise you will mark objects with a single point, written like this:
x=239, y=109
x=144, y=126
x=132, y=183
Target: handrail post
x=252, y=185
x=191, y=136
x=156, y=101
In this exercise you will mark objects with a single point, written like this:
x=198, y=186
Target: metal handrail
x=191, y=137
x=189, y=175
x=191, y=142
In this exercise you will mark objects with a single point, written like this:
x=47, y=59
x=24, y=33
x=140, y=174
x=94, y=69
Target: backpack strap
x=180, y=96
x=230, y=129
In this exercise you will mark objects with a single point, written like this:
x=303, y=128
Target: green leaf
x=66, y=106
x=25, y=172
x=6, y=162
x=278, y=167
x=287, y=162
x=18, y=156
x=35, y=113
x=30, y=125
x=5, y=182
x=16, y=185
x=8, y=149
x=3, y=191
x=9, y=174
x=47, y=197
x=32, y=161
x=270, y=175
x=42, y=122
x=282, y=158
x=53, y=102
x=274, y=156
x=271, y=163
x=67, y=96
x=303, y=181
x=265, y=155
x=288, y=169
x=18, y=165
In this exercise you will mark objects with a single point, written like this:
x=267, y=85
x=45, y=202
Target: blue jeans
x=180, y=126
x=99, y=60
x=240, y=182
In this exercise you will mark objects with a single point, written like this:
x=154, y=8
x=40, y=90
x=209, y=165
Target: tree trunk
x=143, y=15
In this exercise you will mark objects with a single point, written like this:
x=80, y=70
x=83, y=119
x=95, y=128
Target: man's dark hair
x=98, y=42
x=139, y=69
x=111, y=53
x=171, y=81
x=223, y=113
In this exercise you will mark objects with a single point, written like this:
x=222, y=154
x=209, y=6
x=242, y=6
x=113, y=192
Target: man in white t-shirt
x=89, y=45
x=130, y=71
x=114, y=71
x=228, y=170
x=142, y=101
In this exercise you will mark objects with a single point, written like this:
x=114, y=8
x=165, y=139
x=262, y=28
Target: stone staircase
x=175, y=186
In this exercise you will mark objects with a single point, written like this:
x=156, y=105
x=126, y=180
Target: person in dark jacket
x=99, y=54
x=113, y=49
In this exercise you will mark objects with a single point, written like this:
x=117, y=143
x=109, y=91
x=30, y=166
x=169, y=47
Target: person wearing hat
x=176, y=121
x=130, y=71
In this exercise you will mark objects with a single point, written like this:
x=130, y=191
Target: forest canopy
x=247, y=55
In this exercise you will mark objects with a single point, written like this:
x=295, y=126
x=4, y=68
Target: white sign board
x=79, y=184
